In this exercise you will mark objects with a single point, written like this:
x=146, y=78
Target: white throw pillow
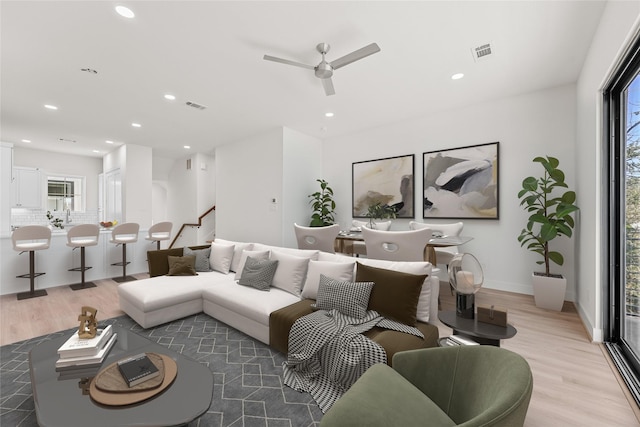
x=302, y=253
x=291, y=272
x=221, y=257
x=424, y=302
x=237, y=252
x=257, y=255
x=340, y=271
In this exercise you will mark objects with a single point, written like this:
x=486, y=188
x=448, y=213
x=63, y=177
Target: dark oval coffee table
x=65, y=402
x=482, y=333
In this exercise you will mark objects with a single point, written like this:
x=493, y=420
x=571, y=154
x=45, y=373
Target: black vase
x=465, y=305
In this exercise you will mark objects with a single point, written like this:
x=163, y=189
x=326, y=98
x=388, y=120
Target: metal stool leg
x=124, y=277
x=82, y=268
x=32, y=275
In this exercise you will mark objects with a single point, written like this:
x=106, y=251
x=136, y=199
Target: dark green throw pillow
x=182, y=266
x=395, y=294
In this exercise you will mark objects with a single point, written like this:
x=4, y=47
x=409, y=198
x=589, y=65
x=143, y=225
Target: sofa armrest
x=159, y=261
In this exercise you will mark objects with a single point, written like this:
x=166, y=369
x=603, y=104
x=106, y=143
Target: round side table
x=482, y=333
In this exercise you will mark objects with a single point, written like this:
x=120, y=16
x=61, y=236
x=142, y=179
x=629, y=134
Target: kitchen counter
x=59, y=258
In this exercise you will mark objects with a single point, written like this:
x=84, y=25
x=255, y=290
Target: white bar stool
x=81, y=236
x=122, y=235
x=159, y=231
x=31, y=238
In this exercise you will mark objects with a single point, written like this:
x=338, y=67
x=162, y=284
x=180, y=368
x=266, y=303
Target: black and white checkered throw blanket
x=328, y=353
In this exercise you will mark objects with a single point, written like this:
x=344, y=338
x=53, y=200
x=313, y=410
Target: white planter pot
x=549, y=292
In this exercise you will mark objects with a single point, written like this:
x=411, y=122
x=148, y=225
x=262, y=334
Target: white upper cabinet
x=27, y=186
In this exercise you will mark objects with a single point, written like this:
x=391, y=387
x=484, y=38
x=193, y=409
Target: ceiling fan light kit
x=324, y=70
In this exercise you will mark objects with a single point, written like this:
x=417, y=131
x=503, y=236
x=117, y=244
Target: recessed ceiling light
x=50, y=107
x=187, y=146
x=170, y=97
x=136, y=125
x=457, y=76
x=96, y=151
x=329, y=114
x=28, y=141
x=125, y=11
x=109, y=142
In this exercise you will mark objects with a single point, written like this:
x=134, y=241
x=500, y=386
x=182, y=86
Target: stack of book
x=458, y=340
x=83, y=357
x=137, y=369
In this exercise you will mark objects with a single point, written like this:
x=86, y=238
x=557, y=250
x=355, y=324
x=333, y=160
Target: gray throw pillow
x=202, y=258
x=348, y=298
x=258, y=273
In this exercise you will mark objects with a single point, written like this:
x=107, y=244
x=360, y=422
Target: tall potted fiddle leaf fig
x=323, y=206
x=550, y=205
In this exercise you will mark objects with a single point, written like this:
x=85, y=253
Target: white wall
x=281, y=164
x=136, y=185
x=66, y=165
x=182, y=195
x=249, y=175
x=206, y=188
x=302, y=159
x=530, y=125
x=619, y=22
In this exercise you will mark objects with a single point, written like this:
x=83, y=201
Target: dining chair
x=444, y=254
x=359, y=248
x=319, y=238
x=396, y=245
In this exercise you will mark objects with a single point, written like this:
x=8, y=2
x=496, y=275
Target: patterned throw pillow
x=258, y=273
x=182, y=266
x=202, y=258
x=348, y=298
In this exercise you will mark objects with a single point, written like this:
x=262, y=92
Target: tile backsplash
x=22, y=217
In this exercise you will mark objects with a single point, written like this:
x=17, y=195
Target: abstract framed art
x=388, y=181
x=461, y=182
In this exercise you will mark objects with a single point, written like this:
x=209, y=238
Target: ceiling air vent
x=483, y=52
x=195, y=105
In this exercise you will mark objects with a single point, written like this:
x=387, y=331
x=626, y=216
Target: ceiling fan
x=324, y=70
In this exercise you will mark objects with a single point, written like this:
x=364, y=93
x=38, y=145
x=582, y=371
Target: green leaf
x=556, y=257
x=530, y=184
x=548, y=232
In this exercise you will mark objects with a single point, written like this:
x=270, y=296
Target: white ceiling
x=210, y=52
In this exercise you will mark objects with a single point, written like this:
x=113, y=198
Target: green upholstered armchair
x=448, y=386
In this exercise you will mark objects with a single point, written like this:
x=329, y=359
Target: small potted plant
x=324, y=206
x=550, y=210
x=379, y=211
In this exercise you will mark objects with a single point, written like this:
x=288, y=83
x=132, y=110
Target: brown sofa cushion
x=395, y=294
x=159, y=263
x=281, y=321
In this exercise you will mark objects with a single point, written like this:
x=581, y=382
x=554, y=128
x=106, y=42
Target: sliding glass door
x=622, y=101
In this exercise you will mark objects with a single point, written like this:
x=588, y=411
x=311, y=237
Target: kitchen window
x=65, y=193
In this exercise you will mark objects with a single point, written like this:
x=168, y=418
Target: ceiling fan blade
x=355, y=55
x=327, y=84
x=286, y=61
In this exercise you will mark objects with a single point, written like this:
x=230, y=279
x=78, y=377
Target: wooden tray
x=134, y=395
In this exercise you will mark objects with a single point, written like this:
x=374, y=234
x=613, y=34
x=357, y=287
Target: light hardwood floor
x=574, y=385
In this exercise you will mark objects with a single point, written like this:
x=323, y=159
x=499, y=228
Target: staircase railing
x=213, y=208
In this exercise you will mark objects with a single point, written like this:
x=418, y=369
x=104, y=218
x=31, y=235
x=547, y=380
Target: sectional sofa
x=267, y=315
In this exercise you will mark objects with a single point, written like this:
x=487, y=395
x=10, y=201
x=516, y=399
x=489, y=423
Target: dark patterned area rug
x=248, y=387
